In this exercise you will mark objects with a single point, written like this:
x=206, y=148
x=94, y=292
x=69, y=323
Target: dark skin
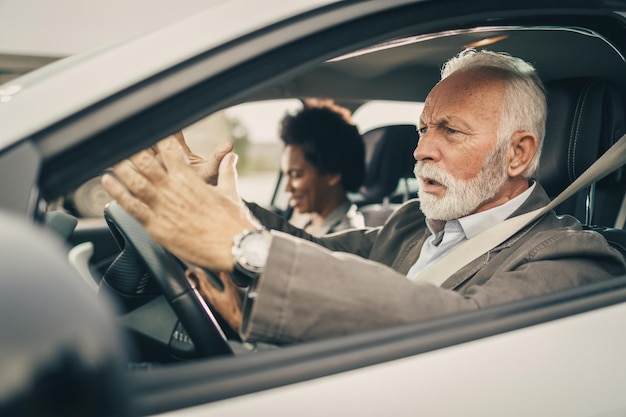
x=311, y=191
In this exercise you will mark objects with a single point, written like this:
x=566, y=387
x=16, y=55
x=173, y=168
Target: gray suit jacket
x=353, y=281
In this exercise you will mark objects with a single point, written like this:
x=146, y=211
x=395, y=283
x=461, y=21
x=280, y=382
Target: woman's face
x=308, y=188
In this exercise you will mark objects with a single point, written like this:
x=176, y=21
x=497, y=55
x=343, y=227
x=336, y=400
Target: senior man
x=480, y=133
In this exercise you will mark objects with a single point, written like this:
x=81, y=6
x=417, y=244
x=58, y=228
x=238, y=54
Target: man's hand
x=207, y=168
x=227, y=302
x=193, y=220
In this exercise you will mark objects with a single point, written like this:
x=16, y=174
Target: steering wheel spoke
x=196, y=316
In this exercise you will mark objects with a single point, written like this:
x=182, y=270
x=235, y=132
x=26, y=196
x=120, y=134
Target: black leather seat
x=388, y=161
x=585, y=117
x=389, y=166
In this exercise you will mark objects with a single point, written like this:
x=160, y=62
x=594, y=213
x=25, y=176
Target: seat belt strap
x=621, y=216
x=469, y=250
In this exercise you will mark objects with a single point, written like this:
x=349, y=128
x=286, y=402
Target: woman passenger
x=323, y=159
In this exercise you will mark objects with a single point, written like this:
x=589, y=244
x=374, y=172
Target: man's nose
x=427, y=148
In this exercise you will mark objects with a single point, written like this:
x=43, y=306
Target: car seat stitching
x=580, y=105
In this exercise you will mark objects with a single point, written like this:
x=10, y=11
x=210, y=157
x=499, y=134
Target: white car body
x=551, y=369
x=558, y=356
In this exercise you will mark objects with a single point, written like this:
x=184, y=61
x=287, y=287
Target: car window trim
x=218, y=84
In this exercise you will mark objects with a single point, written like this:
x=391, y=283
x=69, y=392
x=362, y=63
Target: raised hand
x=208, y=169
x=194, y=220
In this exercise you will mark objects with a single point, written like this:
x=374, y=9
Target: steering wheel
x=168, y=271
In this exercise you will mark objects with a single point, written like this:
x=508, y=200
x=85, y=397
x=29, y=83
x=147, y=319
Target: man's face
x=460, y=169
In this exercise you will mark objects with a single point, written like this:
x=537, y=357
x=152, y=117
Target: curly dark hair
x=329, y=140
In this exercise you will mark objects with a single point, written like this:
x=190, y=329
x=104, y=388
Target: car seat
x=389, y=166
x=585, y=117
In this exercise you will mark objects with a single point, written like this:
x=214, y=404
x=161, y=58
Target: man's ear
x=521, y=151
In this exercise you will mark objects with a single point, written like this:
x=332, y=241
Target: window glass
x=254, y=129
x=382, y=113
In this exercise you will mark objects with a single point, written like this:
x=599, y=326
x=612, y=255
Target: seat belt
x=469, y=250
x=621, y=215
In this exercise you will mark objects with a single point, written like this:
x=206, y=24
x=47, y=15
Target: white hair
x=524, y=106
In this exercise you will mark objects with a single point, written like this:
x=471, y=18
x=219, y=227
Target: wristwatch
x=250, y=250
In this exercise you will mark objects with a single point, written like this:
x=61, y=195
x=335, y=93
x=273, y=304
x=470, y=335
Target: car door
x=540, y=356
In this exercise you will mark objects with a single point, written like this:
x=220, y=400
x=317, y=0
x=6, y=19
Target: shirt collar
x=335, y=216
x=477, y=222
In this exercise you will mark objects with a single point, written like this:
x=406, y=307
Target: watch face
x=254, y=249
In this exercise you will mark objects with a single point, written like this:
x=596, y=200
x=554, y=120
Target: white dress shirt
x=446, y=236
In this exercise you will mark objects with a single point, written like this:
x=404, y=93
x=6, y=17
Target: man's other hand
x=226, y=302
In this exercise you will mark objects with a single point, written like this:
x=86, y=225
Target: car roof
x=400, y=63
x=69, y=85
x=72, y=84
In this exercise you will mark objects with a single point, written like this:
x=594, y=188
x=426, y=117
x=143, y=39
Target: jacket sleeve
x=359, y=241
x=308, y=292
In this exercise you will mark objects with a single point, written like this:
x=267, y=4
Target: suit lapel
x=537, y=199
x=405, y=261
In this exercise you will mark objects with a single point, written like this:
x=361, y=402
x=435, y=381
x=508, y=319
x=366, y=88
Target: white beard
x=462, y=197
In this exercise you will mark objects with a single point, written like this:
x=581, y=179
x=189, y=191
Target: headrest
x=388, y=158
x=585, y=117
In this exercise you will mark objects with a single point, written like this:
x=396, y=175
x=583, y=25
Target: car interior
x=586, y=116
x=168, y=322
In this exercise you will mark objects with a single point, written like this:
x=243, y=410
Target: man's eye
x=451, y=131
x=422, y=130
